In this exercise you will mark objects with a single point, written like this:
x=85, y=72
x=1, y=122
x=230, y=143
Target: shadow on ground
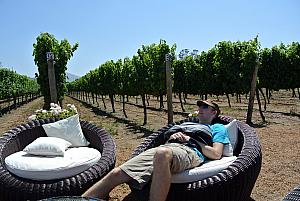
x=132, y=126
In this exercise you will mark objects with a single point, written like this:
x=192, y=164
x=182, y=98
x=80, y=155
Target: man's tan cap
x=210, y=103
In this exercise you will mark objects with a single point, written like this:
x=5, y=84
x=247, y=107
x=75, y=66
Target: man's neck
x=205, y=122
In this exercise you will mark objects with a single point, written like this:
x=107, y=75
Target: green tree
x=293, y=57
x=63, y=52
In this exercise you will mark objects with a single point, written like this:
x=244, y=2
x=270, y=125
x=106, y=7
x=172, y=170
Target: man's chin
x=203, y=116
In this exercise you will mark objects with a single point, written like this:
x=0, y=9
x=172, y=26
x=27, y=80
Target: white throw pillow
x=227, y=150
x=47, y=146
x=232, y=131
x=68, y=129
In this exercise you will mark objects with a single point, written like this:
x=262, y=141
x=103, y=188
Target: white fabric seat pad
x=209, y=168
x=74, y=161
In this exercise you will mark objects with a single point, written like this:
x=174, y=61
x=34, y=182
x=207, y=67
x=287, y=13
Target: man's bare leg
x=102, y=188
x=161, y=178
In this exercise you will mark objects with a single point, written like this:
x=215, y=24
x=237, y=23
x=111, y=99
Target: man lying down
x=188, y=146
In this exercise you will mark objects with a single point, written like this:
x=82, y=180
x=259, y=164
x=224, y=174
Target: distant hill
x=71, y=77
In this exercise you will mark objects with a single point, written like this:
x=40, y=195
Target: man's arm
x=215, y=152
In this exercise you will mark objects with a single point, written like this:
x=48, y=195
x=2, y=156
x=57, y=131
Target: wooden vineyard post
x=252, y=92
x=169, y=88
x=51, y=77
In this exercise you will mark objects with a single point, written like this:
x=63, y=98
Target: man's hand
x=180, y=136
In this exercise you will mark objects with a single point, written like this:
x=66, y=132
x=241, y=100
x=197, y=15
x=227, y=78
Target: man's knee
x=163, y=154
x=116, y=172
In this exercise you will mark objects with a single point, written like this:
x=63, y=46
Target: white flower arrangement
x=194, y=114
x=55, y=112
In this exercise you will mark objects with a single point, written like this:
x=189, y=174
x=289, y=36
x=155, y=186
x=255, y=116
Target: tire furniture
x=294, y=195
x=14, y=188
x=234, y=183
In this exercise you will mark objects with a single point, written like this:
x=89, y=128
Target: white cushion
x=227, y=150
x=209, y=168
x=46, y=146
x=75, y=161
x=68, y=129
x=232, y=131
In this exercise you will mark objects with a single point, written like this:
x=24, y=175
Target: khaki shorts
x=140, y=168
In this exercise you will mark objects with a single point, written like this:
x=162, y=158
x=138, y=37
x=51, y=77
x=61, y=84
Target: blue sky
x=115, y=29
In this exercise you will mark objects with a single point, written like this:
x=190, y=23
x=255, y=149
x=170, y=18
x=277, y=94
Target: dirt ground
x=279, y=136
